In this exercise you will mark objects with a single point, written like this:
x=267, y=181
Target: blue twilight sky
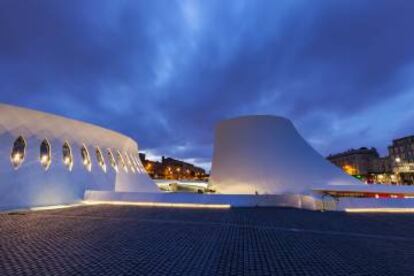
x=165, y=72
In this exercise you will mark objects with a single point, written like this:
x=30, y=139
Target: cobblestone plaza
x=127, y=240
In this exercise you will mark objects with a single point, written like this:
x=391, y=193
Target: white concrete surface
x=30, y=185
x=266, y=155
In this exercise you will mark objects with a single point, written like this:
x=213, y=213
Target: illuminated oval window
x=134, y=161
x=86, y=159
x=45, y=154
x=140, y=168
x=18, y=152
x=100, y=159
x=121, y=161
x=112, y=160
x=67, y=156
x=140, y=164
x=128, y=160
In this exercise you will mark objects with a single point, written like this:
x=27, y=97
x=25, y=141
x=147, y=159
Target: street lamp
x=398, y=161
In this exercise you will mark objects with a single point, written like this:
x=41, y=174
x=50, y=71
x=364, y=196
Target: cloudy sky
x=165, y=72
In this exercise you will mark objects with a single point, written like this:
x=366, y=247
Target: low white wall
x=367, y=203
x=295, y=201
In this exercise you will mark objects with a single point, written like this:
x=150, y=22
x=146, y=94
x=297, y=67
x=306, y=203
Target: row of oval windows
x=19, y=150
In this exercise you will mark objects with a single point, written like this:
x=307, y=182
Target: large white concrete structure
x=258, y=161
x=47, y=159
x=266, y=155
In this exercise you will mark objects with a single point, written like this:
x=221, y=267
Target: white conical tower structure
x=266, y=155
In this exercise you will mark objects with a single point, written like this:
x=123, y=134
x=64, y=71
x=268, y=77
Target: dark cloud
x=165, y=72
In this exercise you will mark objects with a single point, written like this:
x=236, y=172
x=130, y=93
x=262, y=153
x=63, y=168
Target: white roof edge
x=29, y=111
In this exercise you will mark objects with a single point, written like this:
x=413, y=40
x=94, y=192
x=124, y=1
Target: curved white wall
x=266, y=154
x=31, y=185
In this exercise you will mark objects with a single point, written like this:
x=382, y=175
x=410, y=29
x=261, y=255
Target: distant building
x=181, y=170
x=357, y=162
x=402, y=156
x=366, y=164
x=381, y=165
x=402, y=149
x=170, y=168
x=382, y=171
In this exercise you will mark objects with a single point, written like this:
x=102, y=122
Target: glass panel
x=18, y=152
x=67, y=156
x=100, y=159
x=86, y=159
x=45, y=154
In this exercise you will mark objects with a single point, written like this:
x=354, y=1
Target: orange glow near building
x=349, y=169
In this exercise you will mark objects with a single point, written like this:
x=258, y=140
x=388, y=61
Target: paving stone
x=126, y=240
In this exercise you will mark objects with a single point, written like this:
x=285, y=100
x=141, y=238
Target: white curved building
x=258, y=161
x=47, y=160
x=266, y=155
x=264, y=159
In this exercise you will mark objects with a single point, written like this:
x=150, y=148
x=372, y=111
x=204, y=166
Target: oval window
x=121, y=161
x=18, y=152
x=86, y=159
x=100, y=159
x=45, y=154
x=112, y=160
x=140, y=166
x=128, y=160
x=134, y=161
x=67, y=156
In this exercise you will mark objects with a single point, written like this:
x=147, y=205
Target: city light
x=349, y=169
